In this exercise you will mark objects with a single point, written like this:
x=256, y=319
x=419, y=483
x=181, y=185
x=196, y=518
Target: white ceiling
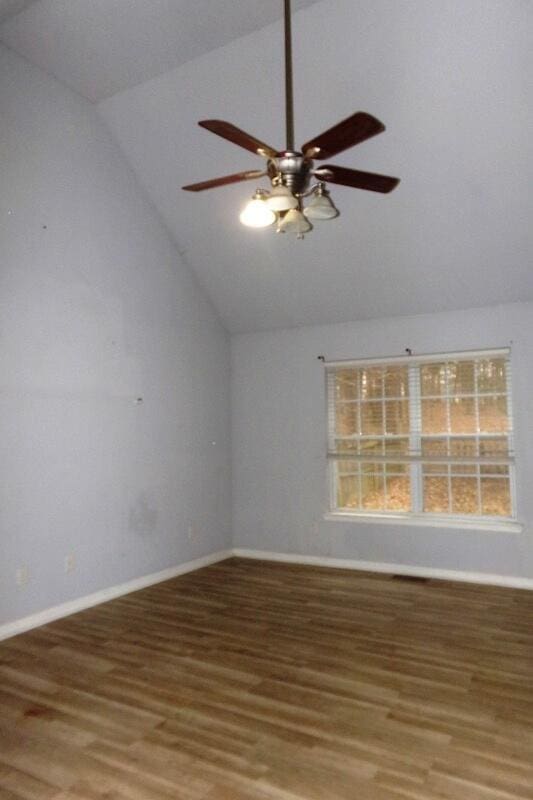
x=100, y=47
x=452, y=83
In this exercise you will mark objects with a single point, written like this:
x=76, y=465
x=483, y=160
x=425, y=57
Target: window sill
x=425, y=521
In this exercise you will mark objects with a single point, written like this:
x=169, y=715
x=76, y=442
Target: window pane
x=496, y=497
x=434, y=417
x=463, y=469
x=372, y=418
x=348, y=467
x=494, y=469
x=396, y=447
x=463, y=415
x=347, y=384
x=347, y=491
x=396, y=382
x=396, y=468
x=371, y=447
x=493, y=414
x=432, y=379
x=464, y=447
x=346, y=446
x=434, y=447
x=461, y=377
x=372, y=492
x=436, y=495
x=346, y=419
x=491, y=375
x=371, y=383
x=397, y=416
x=398, y=492
x=464, y=496
x=494, y=447
x=437, y=469
x=374, y=467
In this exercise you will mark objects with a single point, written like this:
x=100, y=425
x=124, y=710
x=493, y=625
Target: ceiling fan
x=291, y=171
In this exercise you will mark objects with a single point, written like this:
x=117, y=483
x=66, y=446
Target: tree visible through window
x=423, y=436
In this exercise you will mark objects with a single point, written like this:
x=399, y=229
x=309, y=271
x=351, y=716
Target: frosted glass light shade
x=281, y=199
x=256, y=213
x=320, y=207
x=294, y=222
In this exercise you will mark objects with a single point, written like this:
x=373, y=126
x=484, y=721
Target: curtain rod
x=409, y=356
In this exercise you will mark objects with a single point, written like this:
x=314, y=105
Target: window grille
x=427, y=435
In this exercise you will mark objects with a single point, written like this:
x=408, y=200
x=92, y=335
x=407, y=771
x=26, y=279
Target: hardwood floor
x=250, y=680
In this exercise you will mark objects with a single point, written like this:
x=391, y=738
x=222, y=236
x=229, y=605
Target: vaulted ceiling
x=100, y=47
x=8, y=8
x=451, y=81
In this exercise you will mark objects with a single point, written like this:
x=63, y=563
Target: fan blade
x=235, y=135
x=351, y=131
x=235, y=178
x=356, y=178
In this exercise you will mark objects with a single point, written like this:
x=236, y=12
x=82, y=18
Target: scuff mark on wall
x=143, y=515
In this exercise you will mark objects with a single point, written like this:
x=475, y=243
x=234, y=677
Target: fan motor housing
x=294, y=169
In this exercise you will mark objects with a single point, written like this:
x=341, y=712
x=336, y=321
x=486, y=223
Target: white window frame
x=417, y=516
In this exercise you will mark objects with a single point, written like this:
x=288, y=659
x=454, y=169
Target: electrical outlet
x=22, y=576
x=70, y=563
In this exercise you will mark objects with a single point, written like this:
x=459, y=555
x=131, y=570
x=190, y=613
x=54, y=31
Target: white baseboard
x=394, y=569
x=81, y=603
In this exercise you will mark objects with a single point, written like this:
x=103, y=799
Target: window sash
x=415, y=458
x=417, y=477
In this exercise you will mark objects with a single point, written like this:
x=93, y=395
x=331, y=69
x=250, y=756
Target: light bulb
x=256, y=213
x=281, y=199
x=294, y=222
x=321, y=206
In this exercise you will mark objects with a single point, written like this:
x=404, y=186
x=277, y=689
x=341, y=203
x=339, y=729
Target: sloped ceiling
x=100, y=47
x=8, y=8
x=452, y=83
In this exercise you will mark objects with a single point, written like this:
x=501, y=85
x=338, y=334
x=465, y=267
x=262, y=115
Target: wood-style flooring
x=251, y=680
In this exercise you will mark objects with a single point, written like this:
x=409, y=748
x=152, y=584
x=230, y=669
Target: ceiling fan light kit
x=256, y=213
x=294, y=222
x=291, y=171
x=321, y=206
x=281, y=198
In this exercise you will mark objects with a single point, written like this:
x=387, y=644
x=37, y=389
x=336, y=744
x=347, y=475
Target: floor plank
x=252, y=680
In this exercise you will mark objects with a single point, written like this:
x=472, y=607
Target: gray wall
x=96, y=310
x=279, y=441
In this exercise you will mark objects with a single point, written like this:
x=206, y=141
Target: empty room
x=266, y=359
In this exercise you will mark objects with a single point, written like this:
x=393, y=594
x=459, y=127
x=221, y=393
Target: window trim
x=426, y=520
x=417, y=516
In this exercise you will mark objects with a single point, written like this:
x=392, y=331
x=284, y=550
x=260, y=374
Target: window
x=427, y=437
